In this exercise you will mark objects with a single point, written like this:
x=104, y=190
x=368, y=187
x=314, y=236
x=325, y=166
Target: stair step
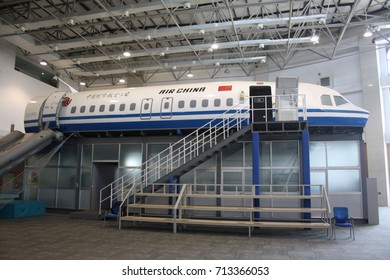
x=267, y=224
x=228, y=208
x=202, y=195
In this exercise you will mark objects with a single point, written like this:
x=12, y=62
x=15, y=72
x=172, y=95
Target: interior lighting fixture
x=43, y=62
x=217, y=64
x=162, y=53
x=187, y=5
x=148, y=37
x=71, y=21
x=190, y=75
x=322, y=21
x=133, y=71
x=100, y=43
x=126, y=13
x=215, y=46
x=261, y=46
x=126, y=53
x=368, y=33
x=314, y=38
x=210, y=50
x=260, y=26
x=121, y=80
x=201, y=32
x=174, y=67
x=82, y=83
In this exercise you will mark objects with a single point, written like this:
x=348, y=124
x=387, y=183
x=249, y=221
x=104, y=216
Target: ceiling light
x=100, y=43
x=368, y=33
x=314, y=38
x=210, y=49
x=126, y=13
x=217, y=64
x=261, y=46
x=82, y=83
x=43, y=63
x=262, y=60
x=260, y=26
x=134, y=71
x=22, y=28
x=122, y=80
x=190, y=75
x=187, y=5
x=174, y=67
x=148, y=37
x=126, y=53
x=322, y=21
x=215, y=46
x=71, y=21
x=56, y=48
x=118, y=57
x=162, y=53
x=201, y=32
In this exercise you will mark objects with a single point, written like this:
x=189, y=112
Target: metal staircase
x=183, y=155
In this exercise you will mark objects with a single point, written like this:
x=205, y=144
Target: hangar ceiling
x=86, y=40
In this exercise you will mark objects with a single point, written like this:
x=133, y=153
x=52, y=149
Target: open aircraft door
x=51, y=109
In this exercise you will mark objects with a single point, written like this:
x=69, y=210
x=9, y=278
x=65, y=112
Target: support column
x=171, y=189
x=256, y=169
x=305, y=147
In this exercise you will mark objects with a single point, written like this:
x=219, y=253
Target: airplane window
x=229, y=102
x=122, y=107
x=192, y=103
x=101, y=108
x=92, y=109
x=205, y=103
x=73, y=110
x=325, y=100
x=112, y=108
x=217, y=102
x=146, y=106
x=181, y=104
x=132, y=106
x=339, y=100
x=166, y=105
x=82, y=109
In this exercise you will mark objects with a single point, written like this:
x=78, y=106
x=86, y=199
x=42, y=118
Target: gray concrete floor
x=56, y=236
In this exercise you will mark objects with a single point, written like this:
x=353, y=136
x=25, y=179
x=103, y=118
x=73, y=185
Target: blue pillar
x=256, y=169
x=306, y=170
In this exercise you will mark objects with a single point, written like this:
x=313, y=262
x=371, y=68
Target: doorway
x=261, y=103
x=103, y=173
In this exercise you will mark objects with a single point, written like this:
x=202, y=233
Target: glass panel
x=68, y=156
x=343, y=153
x=343, y=181
x=86, y=178
x=339, y=100
x=205, y=181
x=284, y=177
x=233, y=156
x=248, y=154
x=48, y=177
x=325, y=100
x=205, y=103
x=217, y=102
x=181, y=104
x=132, y=106
x=122, y=107
x=229, y=102
x=92, y=108
x=317, y=178
x=82, y=109
x=106, y=152
x=317, y=154
x=101, y=108
x=67, y=178
x=265, y=159
x=87, y=155
x=192, y=103
x=131, y=155
x=284, y=154
x=73, y=110
x=232, y=178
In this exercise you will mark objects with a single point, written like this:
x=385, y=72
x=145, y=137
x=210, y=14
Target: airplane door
x=51, y=109
x=146, y=108
x=166, y=107
x=261, y=103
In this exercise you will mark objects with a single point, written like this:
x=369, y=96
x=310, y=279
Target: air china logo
x=66, y=101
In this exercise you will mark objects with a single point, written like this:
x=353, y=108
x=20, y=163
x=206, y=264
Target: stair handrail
x=194, y=143
x=178, y=201
x=125, y=199
x=238, y=115
x=117, y=187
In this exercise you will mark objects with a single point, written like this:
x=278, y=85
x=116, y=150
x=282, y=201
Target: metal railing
x=207, y=137
x=182, y=151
